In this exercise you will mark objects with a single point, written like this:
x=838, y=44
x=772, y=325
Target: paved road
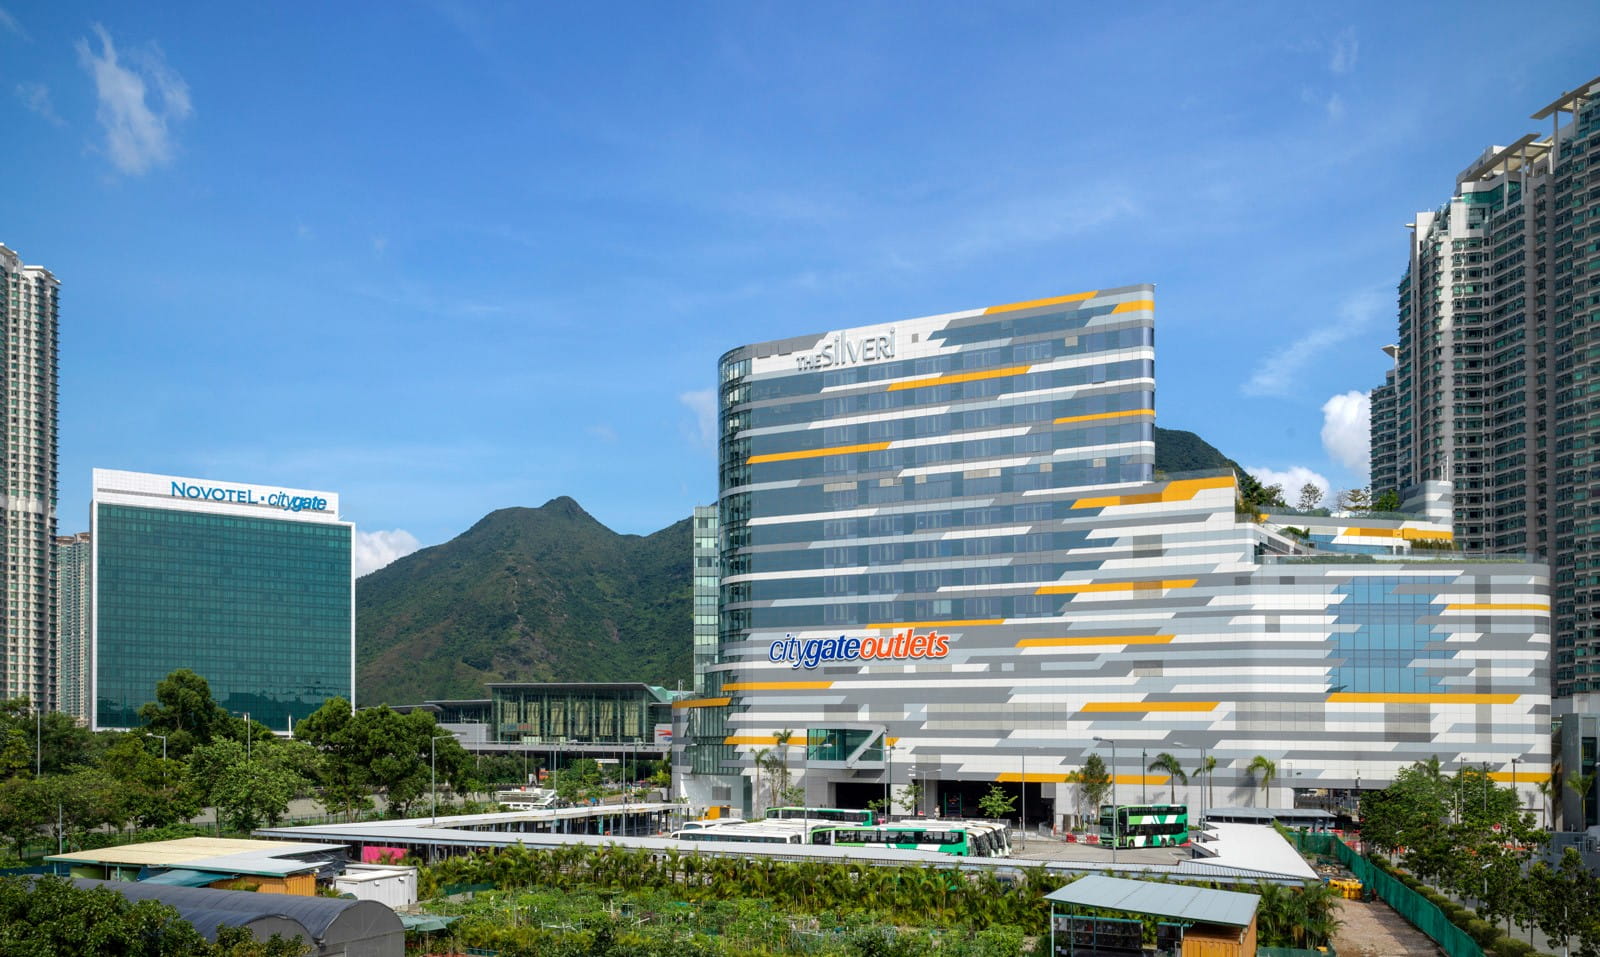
x=1375, y=930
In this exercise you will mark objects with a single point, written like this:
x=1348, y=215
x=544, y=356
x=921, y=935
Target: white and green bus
x=1144, y=825
x=958, y=838
x=835, y=815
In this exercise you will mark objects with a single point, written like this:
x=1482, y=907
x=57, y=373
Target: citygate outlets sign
x=903, y=645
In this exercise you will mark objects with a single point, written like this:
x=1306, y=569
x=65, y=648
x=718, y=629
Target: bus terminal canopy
x=1196, y=904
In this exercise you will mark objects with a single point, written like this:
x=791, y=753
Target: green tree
x=1355, y=499
x=997, y=803
x=1263, y=770
x=1581, y=785
x=186, y=713
x=1310, y=497
x=578, y=781
x=343, y=775
x=52, y=917
x=910, y=799
x=246, y=791
x=22, y=811
x=61, y=745
x=1389, y=501
x=155, y=792
x=1564, y=897
x=1168, y=763
x=1094, y=783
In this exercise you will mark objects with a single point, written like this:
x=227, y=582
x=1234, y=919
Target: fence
x=1418, y=910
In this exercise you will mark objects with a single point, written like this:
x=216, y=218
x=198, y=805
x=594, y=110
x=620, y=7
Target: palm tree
x=1168, y=763
x=1207, y=765
x=1546, y=789
x=1581, y=785
x=1263, y=770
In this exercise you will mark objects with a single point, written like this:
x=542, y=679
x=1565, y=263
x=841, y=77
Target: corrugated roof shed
x=1199, y=904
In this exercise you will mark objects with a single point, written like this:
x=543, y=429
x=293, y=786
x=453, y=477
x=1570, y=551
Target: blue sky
x=444, y=258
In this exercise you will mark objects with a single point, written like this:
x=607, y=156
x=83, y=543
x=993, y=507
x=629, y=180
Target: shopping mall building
x=947, y=559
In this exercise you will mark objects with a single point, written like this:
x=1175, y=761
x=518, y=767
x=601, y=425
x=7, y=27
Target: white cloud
x=9, y=24
x=1280, y=372
x=380, y=244
x=1346, y=430
x=138, y=102
x=603, y=432
x=36, y=97
x=377, y=549
x=1345, y=49
x=1335, y=107
x=1292, y=479
x=703, y=403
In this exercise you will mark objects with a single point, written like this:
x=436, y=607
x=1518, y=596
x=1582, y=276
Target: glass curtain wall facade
x=1495, y=362
x=29, y=305
x=248, y=586
x=946, y=559
x=73, y=567
x=589, y=713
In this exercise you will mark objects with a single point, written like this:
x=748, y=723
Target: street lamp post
x=163, y=758
x=888, y=778
x=1514, y=763
x=1143, y=759
x=1114, y=834
x=433, y=773
x=38, y=740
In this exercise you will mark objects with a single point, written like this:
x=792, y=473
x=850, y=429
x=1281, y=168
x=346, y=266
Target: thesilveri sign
x=810, y=652
x=840, y=351
x=247, y=496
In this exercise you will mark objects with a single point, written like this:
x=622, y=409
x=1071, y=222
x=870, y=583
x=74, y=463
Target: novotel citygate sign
x=904, y=645
x=287, y=501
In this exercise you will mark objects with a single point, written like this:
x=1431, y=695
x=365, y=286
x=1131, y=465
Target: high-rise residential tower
x=28, y=301
x=73, y=593
x=1497, y=354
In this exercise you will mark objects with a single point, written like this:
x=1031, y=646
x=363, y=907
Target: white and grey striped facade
x=946, y=536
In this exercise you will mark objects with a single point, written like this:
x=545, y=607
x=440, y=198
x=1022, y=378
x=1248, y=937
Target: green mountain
x=550, y=594
x=526, y=594
x=1179, y=451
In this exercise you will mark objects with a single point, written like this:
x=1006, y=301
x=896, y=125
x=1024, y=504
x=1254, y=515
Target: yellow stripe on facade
x=1043, y=777
x=1139, y=778
x=1404, y=697
x=1036, y=303
x=1532, y=777
x=1499, y=606
x=953, y=623
x=702, y=703
x=1426, y=535
x=1409, y=534
x=753, y=740
x=816, y=453
x=1085, y=587
x=1180, y=491
x=777, y=685
x=1068, y=420
x=1134, y=306
x=956, y=377
x=1095, y=640
x=1141, y=707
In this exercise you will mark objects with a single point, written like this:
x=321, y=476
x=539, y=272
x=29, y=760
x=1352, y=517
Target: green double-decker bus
x=1144, y=825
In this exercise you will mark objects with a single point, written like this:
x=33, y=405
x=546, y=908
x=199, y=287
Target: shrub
x=1511, y=947
x=1481, y=931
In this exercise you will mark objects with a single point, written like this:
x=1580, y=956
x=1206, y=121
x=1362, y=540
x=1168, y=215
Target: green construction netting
x=1415, y=908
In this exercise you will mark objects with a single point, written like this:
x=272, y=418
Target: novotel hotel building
x=249, y=586
x=947, y=560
